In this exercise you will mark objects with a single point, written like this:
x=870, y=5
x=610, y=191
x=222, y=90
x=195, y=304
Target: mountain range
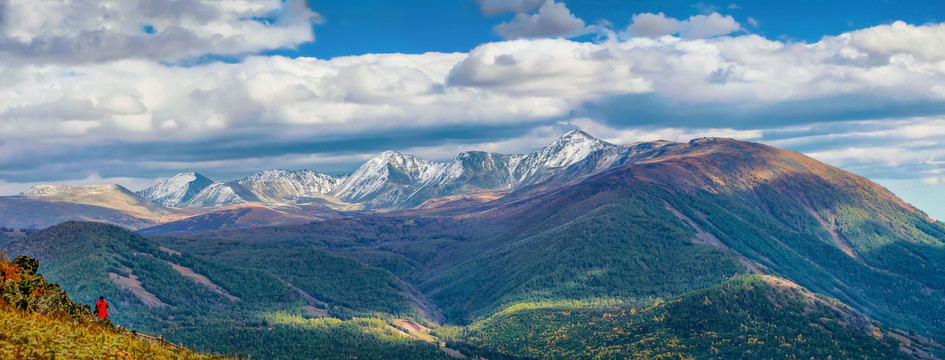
x=714, y=248
x=392, y=180
x=389, y=181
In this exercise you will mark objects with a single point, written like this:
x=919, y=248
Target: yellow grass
x=32, y=336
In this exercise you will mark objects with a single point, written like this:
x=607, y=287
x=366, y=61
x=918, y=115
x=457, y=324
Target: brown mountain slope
x=109, y=196
x=243, y=216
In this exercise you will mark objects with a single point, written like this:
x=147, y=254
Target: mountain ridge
x=394, y=180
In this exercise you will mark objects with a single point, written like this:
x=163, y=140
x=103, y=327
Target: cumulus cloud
x=654, y=25
x=696, y=27
x=522, y=79
x=926, y=42
x=724, y=69
x=552, y=20
x=550, y=67
x=84, y=31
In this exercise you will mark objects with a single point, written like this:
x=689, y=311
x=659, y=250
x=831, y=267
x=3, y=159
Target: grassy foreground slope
x=39, y=321
x=749, y=317
x=25, y=335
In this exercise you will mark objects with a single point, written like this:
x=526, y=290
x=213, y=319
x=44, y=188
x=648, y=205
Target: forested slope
x=259, y=304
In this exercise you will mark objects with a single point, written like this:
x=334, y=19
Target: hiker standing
x=101, y=307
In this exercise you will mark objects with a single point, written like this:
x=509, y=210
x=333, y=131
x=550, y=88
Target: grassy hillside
x=25, y=335
x=38, y=320
x=749, y=317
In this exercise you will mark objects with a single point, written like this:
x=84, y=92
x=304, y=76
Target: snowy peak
x=409, y=165
x=216, y=195
x=284, y=186
x=266, y=175
x=177, y=190
x=388, y=169
x=577, y=136
x=570, y=148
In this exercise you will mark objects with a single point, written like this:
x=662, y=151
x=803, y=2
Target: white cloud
x=887, y=148
x=696, y=27
x=653, y=25
x=754, y=22
x=550, y=67
x=926, y=42
x=934, y=180
x=525, y=80
x=83, y=31
x=890, y=156
x=552, y=20
x=714, y=24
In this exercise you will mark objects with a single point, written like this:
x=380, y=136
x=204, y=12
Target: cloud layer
x=105, y=97
x=88, y=31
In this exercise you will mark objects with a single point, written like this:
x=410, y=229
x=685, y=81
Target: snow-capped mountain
x=283, y=186
x=388, y=178
x=268, y=186
x=395, y=180
x=177, y=190
x=569, y=149
x=392, y=180
x=217, y=195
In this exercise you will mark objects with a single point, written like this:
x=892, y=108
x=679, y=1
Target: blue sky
x=357, y=27
x=133, y=91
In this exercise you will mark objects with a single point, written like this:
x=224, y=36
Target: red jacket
x=102, y=308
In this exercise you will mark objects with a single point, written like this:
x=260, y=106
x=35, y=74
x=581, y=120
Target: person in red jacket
x=101, y=307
